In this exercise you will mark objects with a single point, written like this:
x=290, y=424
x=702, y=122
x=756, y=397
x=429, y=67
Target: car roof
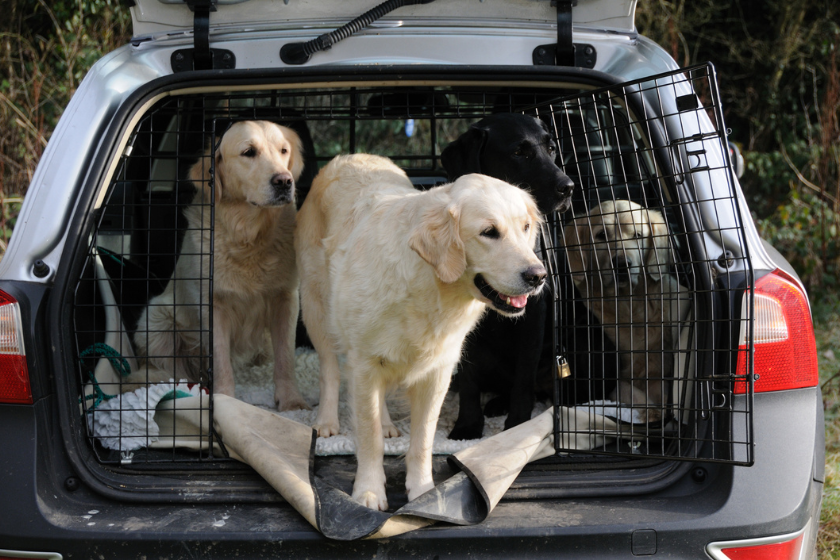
x=153, y=17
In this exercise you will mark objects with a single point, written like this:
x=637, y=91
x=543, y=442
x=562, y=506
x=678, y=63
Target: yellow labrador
x=395, y=278
x=255, y=281
x=619, y=258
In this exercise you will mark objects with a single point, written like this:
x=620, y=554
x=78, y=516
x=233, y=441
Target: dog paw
x=466, y=432
x=497, y=406
x=418, y=488
x=516, y=419
x=296, y=403
x=222, y=388
x=390, y=431
x=652, y=416
x=371, y=499
x=326, y=429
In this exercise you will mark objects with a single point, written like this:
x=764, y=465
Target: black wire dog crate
x=650, y=269
x=645, y=342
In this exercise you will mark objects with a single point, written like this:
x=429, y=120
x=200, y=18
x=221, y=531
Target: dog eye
x=523, y=150
x=249, y=153
x=284, y=150
x=601, y=235
x=638, y=234
x=491, y=232
x=527, y=228
x=552, y=149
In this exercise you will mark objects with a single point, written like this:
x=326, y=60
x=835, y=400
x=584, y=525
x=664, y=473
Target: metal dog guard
x=706, y=410
x=623, y=142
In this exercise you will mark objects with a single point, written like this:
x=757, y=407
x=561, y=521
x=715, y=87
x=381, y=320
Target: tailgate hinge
x=201, y=56
x=565, y=52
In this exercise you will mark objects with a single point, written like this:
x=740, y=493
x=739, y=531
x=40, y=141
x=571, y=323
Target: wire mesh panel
x=650, y=268
x=139, y=341
x=647, y=269
x=144, y=302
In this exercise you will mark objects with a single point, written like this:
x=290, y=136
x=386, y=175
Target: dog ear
x=659, y=257
x=575, y=247
x=463, y=156
x=534, y=214
x=296, y=157
x=438, y=242
x=219, y=177
x=199, y=174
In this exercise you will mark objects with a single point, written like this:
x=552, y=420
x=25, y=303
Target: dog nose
x=565, y=185
x=534, y=275
x=281, y=181
x=621, y=266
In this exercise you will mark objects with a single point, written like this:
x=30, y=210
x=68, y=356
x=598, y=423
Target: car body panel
x=686, y=516
x=167, y=16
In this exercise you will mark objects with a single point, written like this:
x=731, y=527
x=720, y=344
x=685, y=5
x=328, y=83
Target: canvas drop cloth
x=282, y=452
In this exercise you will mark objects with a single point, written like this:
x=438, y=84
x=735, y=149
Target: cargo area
x=677, y=335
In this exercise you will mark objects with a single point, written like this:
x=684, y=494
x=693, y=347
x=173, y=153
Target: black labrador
x=503, y=355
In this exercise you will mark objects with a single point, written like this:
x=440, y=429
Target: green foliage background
x=777, y=65
x=46, y=48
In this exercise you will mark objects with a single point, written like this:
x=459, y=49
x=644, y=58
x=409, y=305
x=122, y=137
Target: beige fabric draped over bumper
x=282, y=452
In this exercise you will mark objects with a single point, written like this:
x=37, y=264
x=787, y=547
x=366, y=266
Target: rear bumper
x=780, y=494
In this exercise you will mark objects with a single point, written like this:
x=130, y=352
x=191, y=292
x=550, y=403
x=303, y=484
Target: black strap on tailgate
x=565, y=52
x=201, y=56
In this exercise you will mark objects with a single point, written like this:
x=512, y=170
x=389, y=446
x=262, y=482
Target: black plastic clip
x=585, y=56
x=201, y=56
x=565, y=52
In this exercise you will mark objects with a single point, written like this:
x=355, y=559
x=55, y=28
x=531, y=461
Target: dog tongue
x=518, y=301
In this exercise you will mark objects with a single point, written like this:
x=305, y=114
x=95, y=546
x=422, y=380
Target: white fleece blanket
x=256, y=386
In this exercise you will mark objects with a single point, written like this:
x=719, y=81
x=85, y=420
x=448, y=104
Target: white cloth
x=127, y=421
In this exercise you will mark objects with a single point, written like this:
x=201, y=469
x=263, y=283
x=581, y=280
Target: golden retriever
x=619, y=256
x=255, y=281
x=394, y=279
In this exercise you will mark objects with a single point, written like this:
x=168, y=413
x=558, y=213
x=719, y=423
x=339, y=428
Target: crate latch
x=565, y=52
x=201, y=56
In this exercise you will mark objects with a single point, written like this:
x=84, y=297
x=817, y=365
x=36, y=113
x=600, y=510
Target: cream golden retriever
x=619, y=257
x=255, y=281
x=394, y=279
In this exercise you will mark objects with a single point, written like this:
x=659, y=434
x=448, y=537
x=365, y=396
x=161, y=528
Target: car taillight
x=14, y=375
x=783, y=335
x=772, y=548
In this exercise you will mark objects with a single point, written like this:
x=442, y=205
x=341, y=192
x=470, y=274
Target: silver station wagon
x=674, y=369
